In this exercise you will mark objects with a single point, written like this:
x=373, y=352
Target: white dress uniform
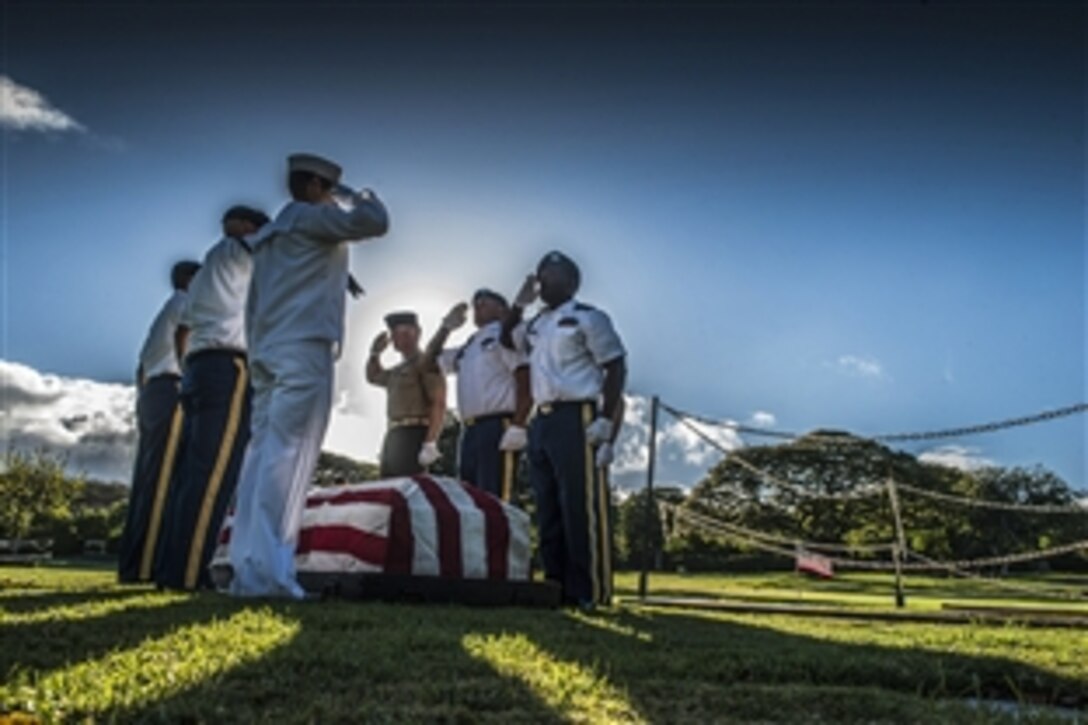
x=568, y=348
x=216, y=310
x=158, y=356
x=486, y=402
x=485, y=373
x=294, y=319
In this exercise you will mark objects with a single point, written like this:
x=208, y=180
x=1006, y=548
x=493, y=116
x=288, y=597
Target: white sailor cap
x=315, y=165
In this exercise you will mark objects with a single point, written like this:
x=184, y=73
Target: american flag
x=424, y=526
x=809, y=563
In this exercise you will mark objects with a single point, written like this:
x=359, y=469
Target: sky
x=860, y=216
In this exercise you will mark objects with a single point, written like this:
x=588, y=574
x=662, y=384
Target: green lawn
x=73, y=646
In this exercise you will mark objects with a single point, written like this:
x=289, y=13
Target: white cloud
x=25, y=109
x=92, y=423
x=763, y=419
x=861, y=366
x=962, y=457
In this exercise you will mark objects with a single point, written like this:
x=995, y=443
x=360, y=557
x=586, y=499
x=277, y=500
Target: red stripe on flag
x=402, y=548
x=449, y=528
x=496, y=530
x=362, y=545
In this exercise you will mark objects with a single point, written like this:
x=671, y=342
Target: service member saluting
x=416, y=398
x=159, y=421
x=493, y=398
x=578, y=370
x=215, y=396
x=295, y=327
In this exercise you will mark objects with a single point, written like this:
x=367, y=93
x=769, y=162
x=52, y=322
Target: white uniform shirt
x=300, y=271
x=216, y=311
x=485, y=373
x=158, y=356
x=567, y=349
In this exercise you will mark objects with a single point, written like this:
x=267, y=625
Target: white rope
x=994, y=581
x=989, y=504
x=858, y=492
x=792, y=541
x=738, y=533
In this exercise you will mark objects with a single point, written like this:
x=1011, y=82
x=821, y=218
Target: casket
x=425, y=526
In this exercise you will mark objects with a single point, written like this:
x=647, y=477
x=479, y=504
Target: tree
x=34, y=487
x=634, y=529
x=333, y=469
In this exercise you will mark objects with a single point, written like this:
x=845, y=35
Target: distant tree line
x=812, y=507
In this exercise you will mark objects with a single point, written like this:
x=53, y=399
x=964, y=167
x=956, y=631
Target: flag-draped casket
x=422, y=526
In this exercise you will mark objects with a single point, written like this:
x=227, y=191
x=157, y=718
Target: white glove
x=599, y=431
x=605, y=455
x=514, y=439
x=429, y=454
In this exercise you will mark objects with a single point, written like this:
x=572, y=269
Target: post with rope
x=900, y=546
x=651, y=507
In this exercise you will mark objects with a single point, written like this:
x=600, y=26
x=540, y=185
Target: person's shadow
x=395, y=663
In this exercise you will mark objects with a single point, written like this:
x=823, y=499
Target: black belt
x=165, y=376
x=549, y=408
x=215, y=351
x=476, y=419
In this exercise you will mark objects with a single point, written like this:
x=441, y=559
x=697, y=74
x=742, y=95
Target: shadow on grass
x=28, y=602
x=375, y=662
x=54, y=643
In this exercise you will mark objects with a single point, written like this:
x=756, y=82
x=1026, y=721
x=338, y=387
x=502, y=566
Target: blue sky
x=868, y=217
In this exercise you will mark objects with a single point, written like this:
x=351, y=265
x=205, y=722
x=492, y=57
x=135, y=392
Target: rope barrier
x=804, y=543
x=990, y=504
x=733, y=457
x=1042, y=417
x=994, y=581
x=737, y=533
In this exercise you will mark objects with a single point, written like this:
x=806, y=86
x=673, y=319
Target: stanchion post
x=900, y=545
x=650, y=503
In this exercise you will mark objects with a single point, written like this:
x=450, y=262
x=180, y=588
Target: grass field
x=73, y=646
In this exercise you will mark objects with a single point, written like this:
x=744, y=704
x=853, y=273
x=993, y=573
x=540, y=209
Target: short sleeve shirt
x=485, y=373
x=412, y=387
x=216, y=308
x=158, y=355
x=568, y=348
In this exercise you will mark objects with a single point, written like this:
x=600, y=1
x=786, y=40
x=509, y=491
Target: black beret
x=485, y=293
x=246, y=214
x=183, y=271
x=401, y=318
x=558, y=259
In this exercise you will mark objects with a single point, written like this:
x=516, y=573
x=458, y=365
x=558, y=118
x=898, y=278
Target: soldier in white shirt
x=578, y=371
x=294, y=321
x=493, y=399
x=215, y=396
x=159, y=421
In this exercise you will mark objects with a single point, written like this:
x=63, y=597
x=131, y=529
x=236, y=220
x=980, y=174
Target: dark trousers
x=481, y=463
x=159, y=420
x=400, y=451
x=215, y=396
x=572, y=504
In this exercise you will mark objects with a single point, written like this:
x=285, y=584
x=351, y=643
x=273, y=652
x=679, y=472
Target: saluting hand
x=528, y=293
x=456, y=317
x=380, y=343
